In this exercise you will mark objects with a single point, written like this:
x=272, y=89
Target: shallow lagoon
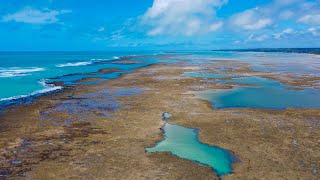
x=183, y=142
x=264, y=93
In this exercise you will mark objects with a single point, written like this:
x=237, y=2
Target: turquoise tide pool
x=183, y=142
x=264, y=93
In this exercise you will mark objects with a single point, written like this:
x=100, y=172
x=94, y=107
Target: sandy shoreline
x=37, y=141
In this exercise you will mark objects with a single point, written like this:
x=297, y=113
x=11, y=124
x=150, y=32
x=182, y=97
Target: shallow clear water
x=183, y=142
x=265, y=93
x=206, y=75
x=275, y=62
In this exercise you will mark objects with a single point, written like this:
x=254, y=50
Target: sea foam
x=84, y=63
x=16, y=71
x=47, y=89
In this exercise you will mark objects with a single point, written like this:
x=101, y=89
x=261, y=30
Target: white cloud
x=311, y=19
x=182, y=17
x=257, y=38
x=288, y=31
x=315, y=31
x=284, y=33
x=101, y=29
x=286, y=14
x=251, y=20
x=216, y=26
x=309, y=13
x=283, y=3
x=35, y=16
x=273, y=13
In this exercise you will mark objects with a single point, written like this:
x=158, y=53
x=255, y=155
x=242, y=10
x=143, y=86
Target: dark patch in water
x=102, y=104
x=77, y=78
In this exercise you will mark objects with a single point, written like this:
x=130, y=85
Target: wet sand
x=60, y=136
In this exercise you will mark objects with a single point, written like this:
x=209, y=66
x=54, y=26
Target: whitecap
x=17, y=71
x=47, y=89
x=74, y=64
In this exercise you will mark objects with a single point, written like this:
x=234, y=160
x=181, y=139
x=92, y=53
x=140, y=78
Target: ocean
x=27, y=73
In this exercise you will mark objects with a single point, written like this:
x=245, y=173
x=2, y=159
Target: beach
x=101, y=130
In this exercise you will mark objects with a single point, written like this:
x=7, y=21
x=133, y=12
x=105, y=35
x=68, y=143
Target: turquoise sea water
x=30, y=73
x=183, y=142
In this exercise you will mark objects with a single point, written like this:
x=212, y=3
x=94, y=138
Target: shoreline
x=58, y=86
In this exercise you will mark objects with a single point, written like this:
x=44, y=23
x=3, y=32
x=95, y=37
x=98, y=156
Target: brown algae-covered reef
x=102, y=130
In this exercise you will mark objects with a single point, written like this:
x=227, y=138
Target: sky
x=63, y=25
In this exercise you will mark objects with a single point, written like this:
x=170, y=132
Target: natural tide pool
x=265, y=93
x=183, y=142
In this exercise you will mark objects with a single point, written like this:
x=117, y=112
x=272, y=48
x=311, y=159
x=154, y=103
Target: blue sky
x=157, y=24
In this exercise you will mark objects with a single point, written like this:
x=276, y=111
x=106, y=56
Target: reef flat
x=102, y=130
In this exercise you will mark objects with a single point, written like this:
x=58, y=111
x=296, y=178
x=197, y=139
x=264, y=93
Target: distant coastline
x=283, y=50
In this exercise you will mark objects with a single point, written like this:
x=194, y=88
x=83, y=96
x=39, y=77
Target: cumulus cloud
x=274, y=12
x=35, y=16
x=292, y=34
x=259, y=38
x=182, y=17
x=311, y=19
x=251, y=20
x=284, y=33
x=315, y=31
x=301, y=11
